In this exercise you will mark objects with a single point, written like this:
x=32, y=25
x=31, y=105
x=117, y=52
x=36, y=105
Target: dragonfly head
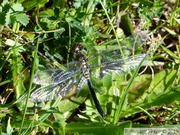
x=77, y=50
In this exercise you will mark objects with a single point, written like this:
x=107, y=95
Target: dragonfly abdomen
x=86, y=73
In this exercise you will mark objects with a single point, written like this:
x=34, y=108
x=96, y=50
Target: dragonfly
x=77, y=75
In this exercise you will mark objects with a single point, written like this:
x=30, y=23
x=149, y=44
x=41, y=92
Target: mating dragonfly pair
x=77, y=75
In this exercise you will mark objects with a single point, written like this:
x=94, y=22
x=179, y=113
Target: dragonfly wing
x=82, y=84
x=55, y=83
x=54, y=76
x=64, y=89
x=121, y=66
x=65, y=84
x=52, y=91
x=45, y=93
x=46, y=77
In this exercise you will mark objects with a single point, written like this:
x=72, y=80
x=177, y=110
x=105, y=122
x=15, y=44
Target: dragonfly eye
x=77, y=48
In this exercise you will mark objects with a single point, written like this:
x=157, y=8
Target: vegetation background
x=39, y=34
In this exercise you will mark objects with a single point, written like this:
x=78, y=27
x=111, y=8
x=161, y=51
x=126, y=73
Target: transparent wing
x=56, y=76
x=66, y=83
x=110, y=59
x=110, y=50
x=58, y=83
x=121, y=66
x=64, y=88
x=50, y=92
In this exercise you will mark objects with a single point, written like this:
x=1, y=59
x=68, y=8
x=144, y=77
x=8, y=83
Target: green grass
x=39, y=35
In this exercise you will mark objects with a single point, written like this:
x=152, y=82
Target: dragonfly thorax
x=80, y=56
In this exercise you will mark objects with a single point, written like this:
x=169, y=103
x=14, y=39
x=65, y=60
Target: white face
x=77, y=48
